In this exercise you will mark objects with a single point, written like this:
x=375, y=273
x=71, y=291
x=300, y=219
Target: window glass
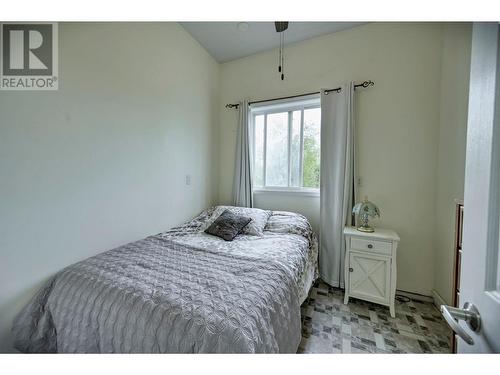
x=277, y=149
x=259, y=151
x=311, y=158
x=295, y=149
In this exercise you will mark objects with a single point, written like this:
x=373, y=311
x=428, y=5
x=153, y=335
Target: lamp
x=365, y=210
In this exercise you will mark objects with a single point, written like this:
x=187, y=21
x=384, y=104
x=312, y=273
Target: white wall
x=102, y=161
x=451, y=155
x=398, y=123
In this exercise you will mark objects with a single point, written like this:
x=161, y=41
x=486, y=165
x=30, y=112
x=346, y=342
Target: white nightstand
x=370, y=266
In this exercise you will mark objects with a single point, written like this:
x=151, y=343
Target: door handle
x=469, y=313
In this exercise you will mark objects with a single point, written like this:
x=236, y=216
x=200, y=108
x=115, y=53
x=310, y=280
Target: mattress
x=180, y=291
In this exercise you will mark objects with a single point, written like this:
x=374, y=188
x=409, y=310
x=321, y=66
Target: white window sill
x=288, y=191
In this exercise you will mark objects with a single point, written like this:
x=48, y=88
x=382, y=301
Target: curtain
x=242, y=185
x=337, y=180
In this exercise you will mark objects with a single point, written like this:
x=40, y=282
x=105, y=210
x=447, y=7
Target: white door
x=478, y=325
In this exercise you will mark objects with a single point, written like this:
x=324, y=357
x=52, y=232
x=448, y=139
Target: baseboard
x=437, y=299
x=412, y=295
x=415, y=296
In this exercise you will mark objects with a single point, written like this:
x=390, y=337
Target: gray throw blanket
x=160, y=296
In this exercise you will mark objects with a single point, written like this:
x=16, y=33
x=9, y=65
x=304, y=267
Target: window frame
x=288, y=106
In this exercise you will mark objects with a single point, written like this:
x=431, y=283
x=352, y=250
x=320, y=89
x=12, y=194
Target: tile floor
x=329, y=326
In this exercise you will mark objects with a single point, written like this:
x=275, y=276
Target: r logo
x=27, y=49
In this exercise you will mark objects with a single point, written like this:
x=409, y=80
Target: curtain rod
x=338, y=89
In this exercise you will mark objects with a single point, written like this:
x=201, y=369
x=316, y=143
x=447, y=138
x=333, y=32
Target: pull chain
x=283, y=56
x=279, y=57
x=280, y=29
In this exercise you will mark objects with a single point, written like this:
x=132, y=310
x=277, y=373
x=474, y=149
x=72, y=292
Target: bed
x=180, y=291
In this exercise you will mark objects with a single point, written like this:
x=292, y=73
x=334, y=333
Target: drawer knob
x=370, y=246
x=351, y=269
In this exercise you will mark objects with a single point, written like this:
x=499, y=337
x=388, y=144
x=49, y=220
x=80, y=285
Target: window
x=286, y=152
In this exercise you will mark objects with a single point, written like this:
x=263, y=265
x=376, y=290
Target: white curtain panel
x=337, y=180
x=242, y=185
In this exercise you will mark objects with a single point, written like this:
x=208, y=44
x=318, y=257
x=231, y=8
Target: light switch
x=188, y=179
x=360, y=182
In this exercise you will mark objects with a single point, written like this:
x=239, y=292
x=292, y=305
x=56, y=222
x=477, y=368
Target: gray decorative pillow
x=228, y=225
x=254, y=228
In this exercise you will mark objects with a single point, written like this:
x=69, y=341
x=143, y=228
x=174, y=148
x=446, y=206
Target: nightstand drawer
x=380, y=247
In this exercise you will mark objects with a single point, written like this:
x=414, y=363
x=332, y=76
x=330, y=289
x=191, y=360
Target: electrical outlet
x=188, y=179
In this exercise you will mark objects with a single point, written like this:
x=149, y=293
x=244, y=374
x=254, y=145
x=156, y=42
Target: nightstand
x=370, y=266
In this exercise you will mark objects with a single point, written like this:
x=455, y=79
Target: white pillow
x=254, y=228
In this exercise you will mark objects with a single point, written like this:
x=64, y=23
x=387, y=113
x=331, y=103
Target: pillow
x=255, y=227
x=228, y=225
x=289, y=223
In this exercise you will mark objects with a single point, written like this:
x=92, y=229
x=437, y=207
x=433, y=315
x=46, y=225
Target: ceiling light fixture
x=280, y=29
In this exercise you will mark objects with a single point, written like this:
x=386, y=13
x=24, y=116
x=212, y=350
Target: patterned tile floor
x=329, y=326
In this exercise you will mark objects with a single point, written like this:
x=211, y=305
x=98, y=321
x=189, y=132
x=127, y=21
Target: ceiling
x=227, y=41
